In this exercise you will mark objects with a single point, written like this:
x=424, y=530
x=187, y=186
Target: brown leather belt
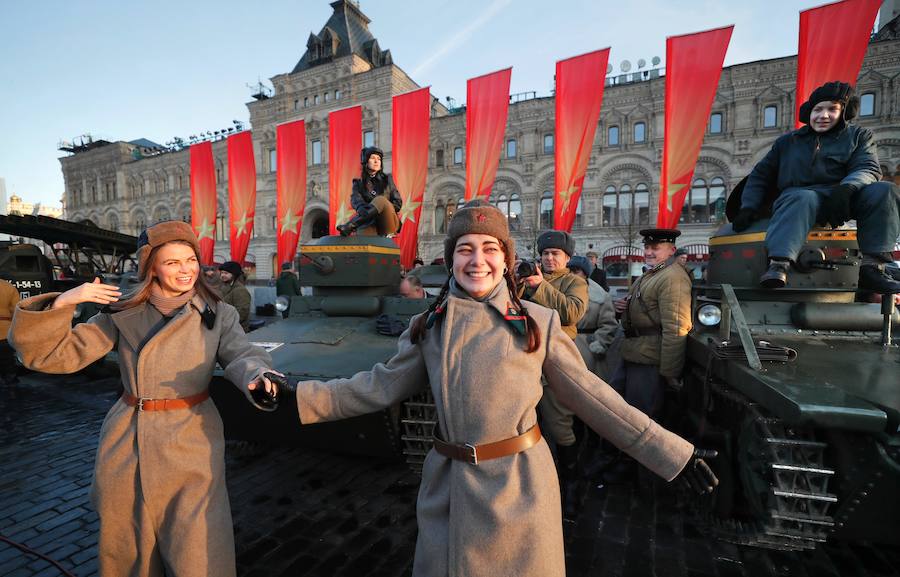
x=473, y=454
x=144, y=404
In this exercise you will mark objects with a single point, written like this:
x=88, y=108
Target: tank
x=797, y=388
x=332, y=334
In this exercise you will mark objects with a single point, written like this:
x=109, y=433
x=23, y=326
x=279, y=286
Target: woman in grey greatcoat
x=489, y=500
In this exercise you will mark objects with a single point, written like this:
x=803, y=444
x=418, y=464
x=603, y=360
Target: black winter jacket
x=383, y=185
x=806, y=158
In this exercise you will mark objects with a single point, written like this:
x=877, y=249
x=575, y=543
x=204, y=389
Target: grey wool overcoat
x=499, y=518
x=159, y=477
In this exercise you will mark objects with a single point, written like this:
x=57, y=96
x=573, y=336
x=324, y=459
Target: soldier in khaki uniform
x=556, y=287
x=656, y=318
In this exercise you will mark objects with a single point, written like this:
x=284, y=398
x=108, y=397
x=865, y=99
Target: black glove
x=835, y=209
x=743, y=219
x=696, y=476
x=266, y=401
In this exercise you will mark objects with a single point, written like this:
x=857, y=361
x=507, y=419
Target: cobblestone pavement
x=299, y=512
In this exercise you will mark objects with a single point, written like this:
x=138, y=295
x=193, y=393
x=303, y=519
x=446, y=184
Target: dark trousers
x=641, y=386
x=795, y=212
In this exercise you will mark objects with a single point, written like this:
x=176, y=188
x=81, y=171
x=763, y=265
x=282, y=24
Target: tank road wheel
x=417, y=423
x=785, y=482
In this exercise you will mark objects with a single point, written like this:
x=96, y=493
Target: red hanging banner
x=344, y=144
x=487, y=103
x=579, y=96
x=833, y=41
x=693, y=66
x=203, y=199
x=241, y=193
x=290, y=164
x=409, y=152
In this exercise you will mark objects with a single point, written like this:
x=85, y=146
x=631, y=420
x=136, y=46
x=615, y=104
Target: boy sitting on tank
x=825, y=173
x=375, y=198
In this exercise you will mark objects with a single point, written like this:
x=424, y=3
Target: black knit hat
x=479, y=217
x=833, y=92
x=233, y=267
x=556, y=239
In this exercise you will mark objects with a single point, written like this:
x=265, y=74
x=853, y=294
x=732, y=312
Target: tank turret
x=332, y=333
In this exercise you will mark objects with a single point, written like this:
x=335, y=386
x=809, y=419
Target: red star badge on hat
x=480, y=217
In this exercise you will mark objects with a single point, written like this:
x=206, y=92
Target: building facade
x=126, y=186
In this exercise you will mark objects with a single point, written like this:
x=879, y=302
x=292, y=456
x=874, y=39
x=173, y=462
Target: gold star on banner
x=289, y=222
x=206, y=230
x=242, y=223
x=408, y=210
x=567, y=195
x=343, y=214
x=673, y=190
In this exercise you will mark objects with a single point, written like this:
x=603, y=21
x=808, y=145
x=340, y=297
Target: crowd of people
x=514, y=352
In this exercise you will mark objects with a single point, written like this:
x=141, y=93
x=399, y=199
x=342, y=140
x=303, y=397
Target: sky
x=127, y=70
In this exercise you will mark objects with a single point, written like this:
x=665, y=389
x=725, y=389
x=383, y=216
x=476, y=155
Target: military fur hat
x=158, y=235
x=479, y=217
x=368, y=151
x=580, y=263
x=556, y=239
x=834, y=92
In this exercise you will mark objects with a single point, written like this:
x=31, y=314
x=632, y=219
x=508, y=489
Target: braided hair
x=419, y=326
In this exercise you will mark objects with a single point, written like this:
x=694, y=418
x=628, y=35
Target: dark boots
x=874, y=277
x=776, y=276
x=354, y=223
x=569, y=480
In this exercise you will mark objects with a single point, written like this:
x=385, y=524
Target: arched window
x=612, y=138
x=546, y=208
x=626, y=204
x=112, y=222
x=579, y=219
x=640, y=132
x=716, y=199
x=140, y=223
x=515, y=211
x=501, y=203
x=715, y=123
x=642, y=203
x=867, y=104
x=440, y=218
x=221, y=227
x=770, y=117
x=699, y=201
x=609, y=206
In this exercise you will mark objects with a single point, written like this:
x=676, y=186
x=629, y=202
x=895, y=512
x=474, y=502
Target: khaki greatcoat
x=598, y=324
x=501, y=517
x=159, y=477
x=659, y=307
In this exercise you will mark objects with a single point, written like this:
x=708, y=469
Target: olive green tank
x=798, y=392
x=330, y=334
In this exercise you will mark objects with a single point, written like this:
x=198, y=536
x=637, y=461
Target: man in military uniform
x=656, y=318
x=554, y=286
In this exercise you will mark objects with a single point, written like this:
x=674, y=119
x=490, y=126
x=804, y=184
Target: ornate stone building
x=128, y=185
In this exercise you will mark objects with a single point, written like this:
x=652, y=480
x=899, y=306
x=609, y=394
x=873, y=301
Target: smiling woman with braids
x=159, y=476
x=489, y=499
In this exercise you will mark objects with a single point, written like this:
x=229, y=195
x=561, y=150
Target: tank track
x=794, y=511
x=417, y=429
